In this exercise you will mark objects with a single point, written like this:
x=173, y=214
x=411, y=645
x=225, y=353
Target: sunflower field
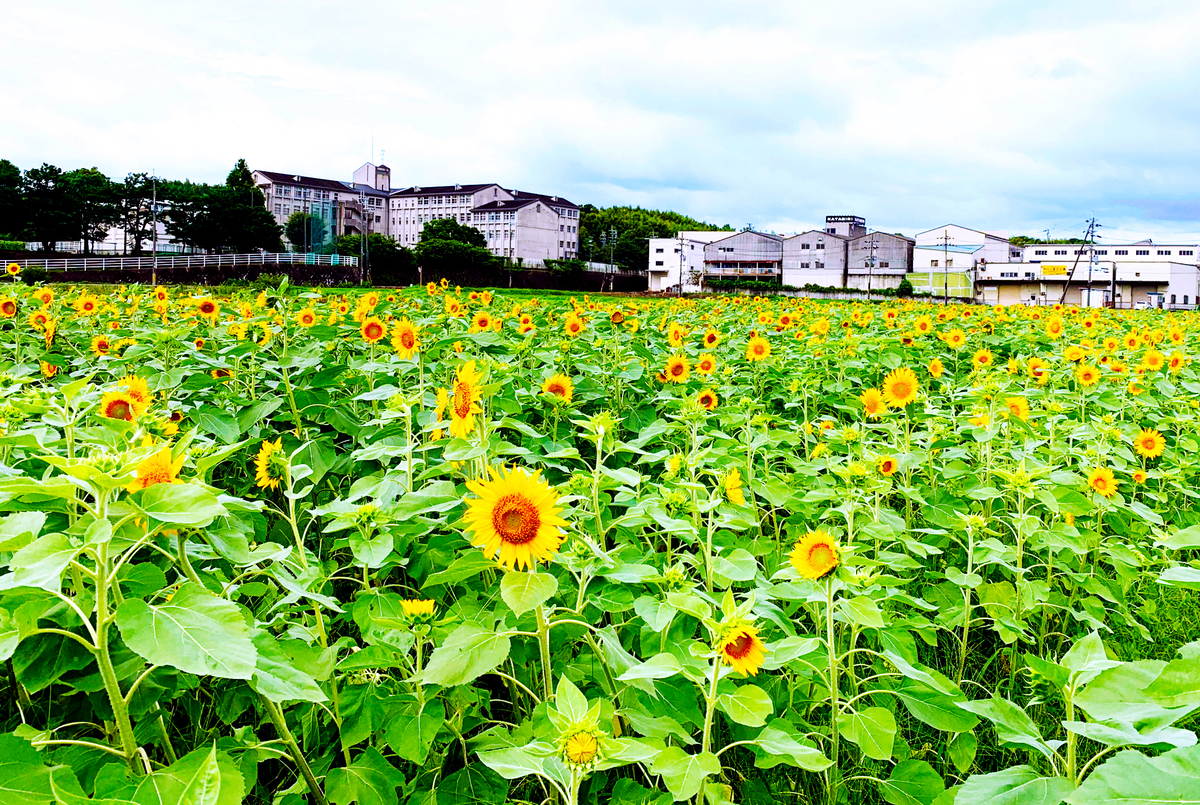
x=441, y=547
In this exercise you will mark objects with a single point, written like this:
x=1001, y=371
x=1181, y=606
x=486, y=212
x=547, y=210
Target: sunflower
x=48, y=369
x=872, y=403
x=581, y=748
x=306, y=318
x=157, y=469
x=707, y=399
x=1152, y=361
x=208, y=308
x=38, y=320
x=1149, y=443
x=732, y=484
x=814, y=555
x=439, y=411
x=139, y=390
x=44, y=295
x=1087, y=375
x=431, y=288
x=161, y=294
x=980, y=420
x=13, y=269
x=1017, y=407
x=923, y=325
x=1103, y=482
x=741, y=648
x=118, y=405
x=1054, y=326
x=405, y=339
x=417, y=609
x=1176, y=362
x=481, y=321
x=955, y=338
x=573, y=325
x=887, y=466
x=678, y=369
x=936, y=368
x=270, y=465
x=706, y=364
x=982, y=358
x=8, y=307
x=758, y=349
x=559, y=386
x=900, y=387
x=1074, y=353
x=372, y=329
x=101, y=346
x=1140, y=476
x=466, y=393
x=1038, y=370
x=87, y=304
x=515, y=518
x=675, y=334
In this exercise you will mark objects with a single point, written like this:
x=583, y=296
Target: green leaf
x=1131, y=778
x=684, y=773
x=935, y=709
x=1183, y=538
x=1087, y=659
x=41, y=563
x=1181, y=576
x=749, y=705
x=371, y=551
x=569, y=701
x=195, y=632
x=410, y=733
x=660, y=666
x=737, y=565
x=912, y=782
x=525, y=591
x=469, y=652
x=962, y=750
x=219, y=424
x=873, y=729
x=1013, y=725
x=10, y=634
x=1019, y=785
x=438, y=496
x=780, y=744
x=24, y=778
x=516, y=762
x=179, y=504
x=862, y=611
x=1178, y=685
x=276, y=675
x=19, y=529
x=203, y=777
x=369, y=780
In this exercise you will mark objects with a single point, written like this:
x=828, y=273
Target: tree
x=50, y=217
x=218, y=219
x=449, y=229
x=390, y=263
x=240, y=177
x=12, y=205
x=441, y=257
x=633, y=226
x=137, y=194
x=305, y=231
x=95, y=203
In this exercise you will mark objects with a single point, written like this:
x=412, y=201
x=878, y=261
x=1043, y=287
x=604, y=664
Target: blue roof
x=957, y=248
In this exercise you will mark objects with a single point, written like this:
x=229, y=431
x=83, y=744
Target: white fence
x=187, y=261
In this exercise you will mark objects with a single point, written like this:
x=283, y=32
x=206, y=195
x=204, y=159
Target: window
x=1121, y=252
x=377, y=219
x=818, y=265
x=1079, y=251
x=1101, y=251
x=676, y=251
x=562, y=227
x=1039, y=251
x=658, y=251
x=1185, y=252
x=804, y=265
x=805, y=245
x=1164, y=252
x=1185, y=297
x=820, y=244
x=660, y=262
x=1028, y=275
x=933, y=263
x=1172, y=299
x=1014, y=253
x=277, y=209
x=832, y=230
x=1059, y=252
x=949, y=262
x=1012, y=274
x=883, y=264
x=1142, y=252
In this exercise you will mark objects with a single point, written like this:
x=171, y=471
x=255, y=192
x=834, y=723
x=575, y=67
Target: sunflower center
x=515, y=519
x=676, y=369
x=740, y=646
x=374, y=331
x=407, y=340
x=901, y=390
x=821, y=555
x=120, y=410
x=462, y=400
x=557, y=388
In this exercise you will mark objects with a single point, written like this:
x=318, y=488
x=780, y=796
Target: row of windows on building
x=1118, y=252
x=287, y=191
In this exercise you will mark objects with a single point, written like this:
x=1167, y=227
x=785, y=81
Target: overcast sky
x=1018, y=116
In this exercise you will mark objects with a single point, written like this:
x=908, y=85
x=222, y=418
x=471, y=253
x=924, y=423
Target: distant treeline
x=633, y=226
x=47, y=205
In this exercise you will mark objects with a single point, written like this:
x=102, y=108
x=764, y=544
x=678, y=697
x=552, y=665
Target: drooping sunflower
x=514, y=517
x=741, y=648
x=1149, y=443
x=118, y=405
x=157, y=469
x=372, y=329
x=405, y=338
x=270, y=465
x=887, y=466
x=814, y=555
x=732, y=484
x=464, y=400
x=559, y=386
x=1017, y=407
x=872, y=403
x=1103, y=482
x=900, y=387
x=707, y=399
x=758, y=349
x=678, y=369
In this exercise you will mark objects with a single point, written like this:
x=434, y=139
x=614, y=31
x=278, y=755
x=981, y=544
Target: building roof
x=555, y=201
x=508, y=204
x=818, y=232
x=954, y=248
x=442, y=189
x=366, y=188
x=960, y=226
x=306, y=181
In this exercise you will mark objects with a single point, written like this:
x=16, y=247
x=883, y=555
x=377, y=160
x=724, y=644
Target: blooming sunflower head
x=13, y=269
x=405, y=338
x=707, y=399
x=1103, y=482
x=270, y=465
x=887, y=466
x=118, y=405
x=1149, y=443
x=740, y=647
x=732, y=486
x=900, y=387
x=306, y=318
x=815, y=554
x=372, y=329
x=758, y=349
x=872, y=403
x=1017, y=407
x=157, y=469
x=936, y=368
x=678, y=369
x=514, y=517
x=559, y=386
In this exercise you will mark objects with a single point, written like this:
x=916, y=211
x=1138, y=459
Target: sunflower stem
x=543, y=636
x=831, y=787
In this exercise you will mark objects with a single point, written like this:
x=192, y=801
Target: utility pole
x=154, y=220
x=681, y=262
x=1087, y=239
x=871, y=265
x=945, y=239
